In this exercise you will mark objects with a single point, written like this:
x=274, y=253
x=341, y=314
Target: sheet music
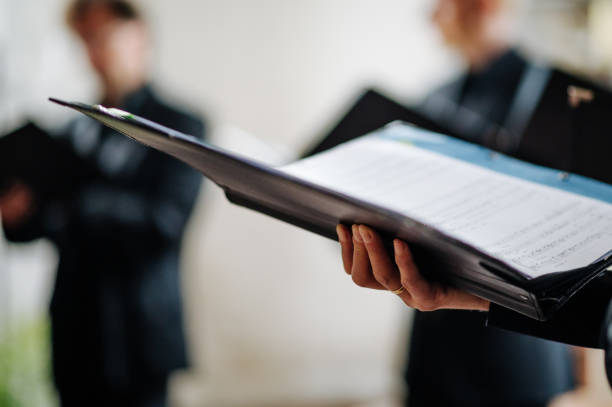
x=535, y=228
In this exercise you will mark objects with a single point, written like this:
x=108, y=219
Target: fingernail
x=342, y=237
x=398, y=246
x=356, y=234
x=366, y=235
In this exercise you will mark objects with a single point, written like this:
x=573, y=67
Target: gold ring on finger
x=398, y=291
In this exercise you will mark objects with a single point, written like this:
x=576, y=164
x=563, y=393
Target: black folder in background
x=49, y=167
x=592, y=137
x=370, y=112
x=573, y=139
x=318, y=209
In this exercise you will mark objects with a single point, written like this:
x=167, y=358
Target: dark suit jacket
x=556, y=135
x=476, y=105
x=116, y=307
x=454, y=359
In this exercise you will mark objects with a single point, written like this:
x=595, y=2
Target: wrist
x=484, y=305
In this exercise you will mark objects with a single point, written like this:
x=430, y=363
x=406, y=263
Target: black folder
x=48, y=166
x=371, y=111
x=318, y=209
x=574, y=139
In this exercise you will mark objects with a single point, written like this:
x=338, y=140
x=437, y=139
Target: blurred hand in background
x=16, y=204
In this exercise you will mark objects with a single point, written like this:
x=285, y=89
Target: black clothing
x=579, y=322
x=607, y=333
x=475, y=106
x=585, y=320
x=116, y=316
x=148, y=392
x=574, y=139
x=454, y=360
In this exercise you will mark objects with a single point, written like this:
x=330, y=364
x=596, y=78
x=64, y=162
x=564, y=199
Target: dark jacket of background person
x=454, y=360
x=117, y=326
x=476, y=105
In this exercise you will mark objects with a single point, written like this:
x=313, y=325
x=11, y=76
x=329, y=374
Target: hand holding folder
x=367, y=261
x=504, y=230
x=16, y=204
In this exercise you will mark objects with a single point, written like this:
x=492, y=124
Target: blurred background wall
x=272, y=319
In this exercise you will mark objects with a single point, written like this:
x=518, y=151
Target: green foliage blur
x=25, y=368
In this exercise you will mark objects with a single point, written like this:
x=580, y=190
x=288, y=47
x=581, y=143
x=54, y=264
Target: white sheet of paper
x=535, y=228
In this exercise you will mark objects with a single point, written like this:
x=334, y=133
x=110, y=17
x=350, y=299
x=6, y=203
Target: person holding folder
x=473, y=365
x=116, y=313
x=456, y=337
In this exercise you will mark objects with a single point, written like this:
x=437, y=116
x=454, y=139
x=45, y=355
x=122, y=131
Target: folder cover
x=317, y=208
x=44, y=163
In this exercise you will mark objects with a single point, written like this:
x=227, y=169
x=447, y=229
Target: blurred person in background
x=116, y=313
x=482, y=33
x=454, y=359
